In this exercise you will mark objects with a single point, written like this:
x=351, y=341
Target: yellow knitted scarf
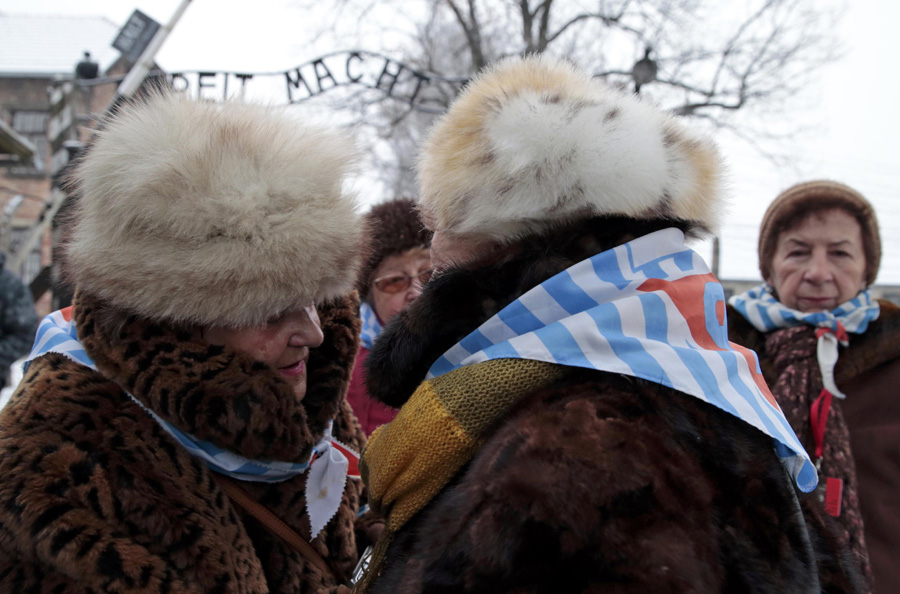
x=408, y=461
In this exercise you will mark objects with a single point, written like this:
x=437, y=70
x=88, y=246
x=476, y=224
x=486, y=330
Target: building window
x=33, y=126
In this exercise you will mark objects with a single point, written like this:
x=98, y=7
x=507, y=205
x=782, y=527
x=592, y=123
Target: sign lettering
x=391, y=77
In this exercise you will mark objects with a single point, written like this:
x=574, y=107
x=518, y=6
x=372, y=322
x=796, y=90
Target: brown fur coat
x=96, y=497
x=862, y=432
x=596, y=482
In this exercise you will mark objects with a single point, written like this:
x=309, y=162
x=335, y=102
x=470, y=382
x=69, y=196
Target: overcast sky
x=855, y=137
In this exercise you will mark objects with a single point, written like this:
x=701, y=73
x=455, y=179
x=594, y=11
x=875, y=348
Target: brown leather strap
x=274, y=524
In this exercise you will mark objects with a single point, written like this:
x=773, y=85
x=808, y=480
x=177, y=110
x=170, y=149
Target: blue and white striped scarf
x=760, y=307
x=328, y=475
x=371, y=327
x=650, y=309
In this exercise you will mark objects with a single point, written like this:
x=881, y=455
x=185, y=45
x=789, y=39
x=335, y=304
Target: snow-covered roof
x=40, y=45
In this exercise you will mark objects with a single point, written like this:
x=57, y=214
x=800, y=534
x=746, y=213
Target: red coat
x=371, y=413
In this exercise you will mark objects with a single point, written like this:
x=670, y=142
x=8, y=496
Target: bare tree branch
x=527, y=24
x=735, y=39
x=473, y=35
x=544, y=9
x=710, y=65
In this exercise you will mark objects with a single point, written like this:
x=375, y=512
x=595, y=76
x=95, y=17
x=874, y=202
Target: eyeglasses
x=394, y=283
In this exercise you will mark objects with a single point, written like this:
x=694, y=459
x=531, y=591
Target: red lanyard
x=818, y=412
x=834, y=487
x=818, y=417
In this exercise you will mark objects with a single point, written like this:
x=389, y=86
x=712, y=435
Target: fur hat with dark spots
x=198, y=213
x=533, y=142
x=394, y=227
x=800, y=201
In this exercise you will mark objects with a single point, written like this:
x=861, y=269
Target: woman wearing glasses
x=398, y=265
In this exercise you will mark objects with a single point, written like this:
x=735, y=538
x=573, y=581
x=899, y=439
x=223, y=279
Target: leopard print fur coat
x=96, y=497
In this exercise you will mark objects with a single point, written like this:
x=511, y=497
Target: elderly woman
x=831, y=355
x=178, y=428
x=399, y=263
x=573, y=418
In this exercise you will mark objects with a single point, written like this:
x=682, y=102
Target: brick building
x=43, y=104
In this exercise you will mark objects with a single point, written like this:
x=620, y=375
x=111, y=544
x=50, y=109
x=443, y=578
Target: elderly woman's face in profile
x=283, y=343
x=820, y=262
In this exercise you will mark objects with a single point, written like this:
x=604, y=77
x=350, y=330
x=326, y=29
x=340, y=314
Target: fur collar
x=458, y=300
x=879, y=344
x=212, y=392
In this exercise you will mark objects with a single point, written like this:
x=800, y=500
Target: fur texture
x=228, y=214
x=533, y=142
x=862, y=433
x=97, y=497
x=394, y=227
x=395, y=367
x=599, y=482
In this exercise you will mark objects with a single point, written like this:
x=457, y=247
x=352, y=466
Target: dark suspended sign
x=135, y=36
x=366, y=69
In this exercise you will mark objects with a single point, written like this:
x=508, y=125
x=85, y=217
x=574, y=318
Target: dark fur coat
x=96, y=497
x=597, y=482
x=862, y=432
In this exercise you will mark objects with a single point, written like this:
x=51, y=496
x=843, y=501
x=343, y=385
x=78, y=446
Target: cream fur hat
x=213, y=214
x=532, y=142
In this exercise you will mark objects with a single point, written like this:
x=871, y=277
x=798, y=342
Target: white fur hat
x=532, y=142
x=213, y=214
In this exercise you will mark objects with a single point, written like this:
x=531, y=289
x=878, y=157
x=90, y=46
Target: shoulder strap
x=272, y=523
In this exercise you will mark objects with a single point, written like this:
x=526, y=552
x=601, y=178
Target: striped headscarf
x=650, y=309
x=330, y=464
x=760, y=307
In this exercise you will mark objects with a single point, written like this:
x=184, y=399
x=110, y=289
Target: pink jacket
x=370, y=412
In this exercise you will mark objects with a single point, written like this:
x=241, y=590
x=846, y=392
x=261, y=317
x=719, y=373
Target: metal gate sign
x=135, y=35
x=367, y=69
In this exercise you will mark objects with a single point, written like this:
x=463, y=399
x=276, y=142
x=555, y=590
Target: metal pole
x=52, y=206
x=6, y=223
x=715, y=256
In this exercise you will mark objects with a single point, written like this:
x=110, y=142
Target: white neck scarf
x=765, y=313
x=650, y=309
